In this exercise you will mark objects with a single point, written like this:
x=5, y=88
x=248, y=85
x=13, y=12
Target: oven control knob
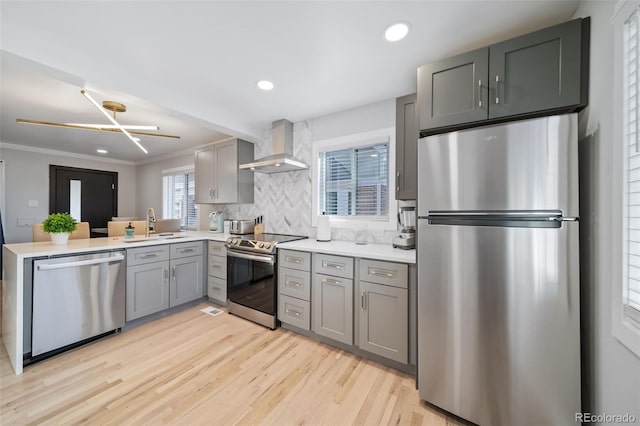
x=229, y=241
x=261, y=245
x=267, y=246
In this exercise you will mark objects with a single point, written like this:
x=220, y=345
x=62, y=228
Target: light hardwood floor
x=191, y=368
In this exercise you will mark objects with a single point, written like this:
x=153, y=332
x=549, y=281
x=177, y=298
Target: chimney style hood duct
x=281, y=159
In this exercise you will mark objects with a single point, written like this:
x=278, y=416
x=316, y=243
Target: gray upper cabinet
x=454, y=90
x=535, y=74
x=218, y=180
x=407, y=133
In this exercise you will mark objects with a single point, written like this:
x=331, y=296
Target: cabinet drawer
x=387, y=273
x=294, y=259
x=217, y=289
x=294, y=283
x=294, y=311
x=334, y=265
x=186, y=249
x=217, y=248
x=218, y=266
x=142, y=255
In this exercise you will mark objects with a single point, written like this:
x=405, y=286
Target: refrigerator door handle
x=564, y=219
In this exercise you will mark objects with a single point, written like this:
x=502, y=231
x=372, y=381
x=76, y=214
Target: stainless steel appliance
x=76, y=298
x=252, y=276
x=498, y=274
x=242, y=227
x=406, y=238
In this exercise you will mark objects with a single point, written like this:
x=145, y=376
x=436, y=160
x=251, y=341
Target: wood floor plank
x=193, y=368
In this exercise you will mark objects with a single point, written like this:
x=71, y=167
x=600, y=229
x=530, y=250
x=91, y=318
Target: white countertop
x=349, y=248
x=46, y=248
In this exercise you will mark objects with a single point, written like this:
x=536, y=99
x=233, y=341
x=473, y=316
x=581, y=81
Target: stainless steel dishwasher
x=76, y=298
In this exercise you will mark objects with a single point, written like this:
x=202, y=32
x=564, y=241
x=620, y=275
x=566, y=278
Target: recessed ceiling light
x=265, y=85
x=396, y=31
x=102, y=151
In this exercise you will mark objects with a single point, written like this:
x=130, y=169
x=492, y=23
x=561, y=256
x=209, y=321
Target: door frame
x=53, y=169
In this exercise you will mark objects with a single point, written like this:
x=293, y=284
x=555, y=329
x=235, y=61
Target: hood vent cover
x=282, y=159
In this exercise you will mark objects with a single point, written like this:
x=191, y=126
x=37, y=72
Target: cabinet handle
x=330, y=281
x=479, y=93
x=293, y=283
x=165, y=272
x=291, y=311
x=497, y=89
x=380, y=273
x=187, y=250
x=210, y=193
x=213, y=191
x=173, y=273
x=363, y=301
x=333, y=265
x=148, y=255
x=291, y=259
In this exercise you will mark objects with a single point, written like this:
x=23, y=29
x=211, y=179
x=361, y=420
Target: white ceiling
x=191, y=67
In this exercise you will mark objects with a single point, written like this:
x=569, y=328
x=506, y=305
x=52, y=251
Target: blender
x=406, y=238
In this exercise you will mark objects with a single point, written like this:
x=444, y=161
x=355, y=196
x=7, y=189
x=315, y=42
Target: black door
x=98, y=191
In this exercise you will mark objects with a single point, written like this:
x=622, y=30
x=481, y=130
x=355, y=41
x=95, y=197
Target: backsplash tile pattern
x=284, y=199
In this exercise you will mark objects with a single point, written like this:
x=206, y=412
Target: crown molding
x=186, y=151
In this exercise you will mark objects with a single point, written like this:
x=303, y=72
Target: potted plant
x=59, y=225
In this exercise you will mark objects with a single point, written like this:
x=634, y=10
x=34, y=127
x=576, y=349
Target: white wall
x=611, y=373
x=148, y=183
x=27, y=178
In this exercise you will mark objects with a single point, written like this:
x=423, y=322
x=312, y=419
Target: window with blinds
x=354, y=181
x=631, y=152
x=178, y=195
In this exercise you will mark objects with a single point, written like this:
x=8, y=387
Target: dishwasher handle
x=48, y=267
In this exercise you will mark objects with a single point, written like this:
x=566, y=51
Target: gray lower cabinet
x=294, y=288
x=332, y=298
x=147, y=289
x=163, y=276
x=538, y=73
x=407, y=134
x=186, y=280
x=217, y=272
x=384, y=309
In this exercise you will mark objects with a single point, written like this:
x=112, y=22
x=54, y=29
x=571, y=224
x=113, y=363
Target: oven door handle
x=264, y=259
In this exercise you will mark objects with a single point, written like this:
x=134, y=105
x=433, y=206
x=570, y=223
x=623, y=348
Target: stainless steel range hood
x=281, y=159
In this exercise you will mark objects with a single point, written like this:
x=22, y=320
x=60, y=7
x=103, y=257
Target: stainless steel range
x=252, y=276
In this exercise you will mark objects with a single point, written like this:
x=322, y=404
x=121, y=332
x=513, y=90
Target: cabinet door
x=407, y=134
x=226, y=172
x=384, y=321
x=535, y=72
x=332, y=308
x=204, y=164
x=454, y=91
x=186, y=280
x=147, y=289
x=217, y=289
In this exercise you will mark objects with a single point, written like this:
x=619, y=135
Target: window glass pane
x=179, y=199
x=631, y=193
x=354, y=181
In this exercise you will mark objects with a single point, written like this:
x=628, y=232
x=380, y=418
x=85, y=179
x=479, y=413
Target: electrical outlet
x=26, y=222
x=33, y=203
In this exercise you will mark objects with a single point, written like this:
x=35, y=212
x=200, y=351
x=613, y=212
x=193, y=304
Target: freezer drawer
x=498, y=315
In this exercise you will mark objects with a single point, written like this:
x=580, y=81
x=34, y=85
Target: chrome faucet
x=151, y=220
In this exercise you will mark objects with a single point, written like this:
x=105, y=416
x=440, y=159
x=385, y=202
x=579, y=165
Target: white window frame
x=175, y=171
x=625, y=331
x=384, y=135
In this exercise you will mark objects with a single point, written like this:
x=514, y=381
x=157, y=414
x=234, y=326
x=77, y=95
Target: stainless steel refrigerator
x=498, y=272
